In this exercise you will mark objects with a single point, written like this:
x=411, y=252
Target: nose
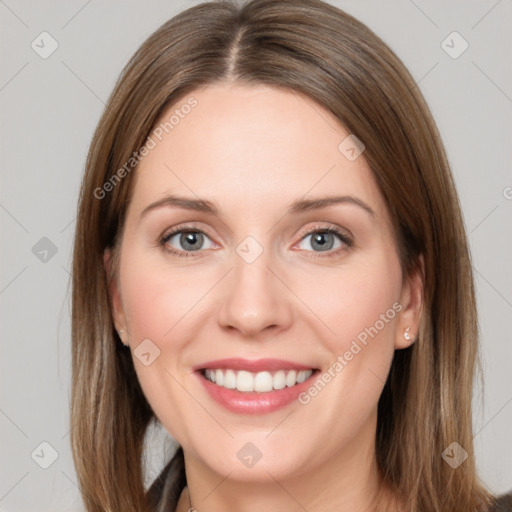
x=254, y=299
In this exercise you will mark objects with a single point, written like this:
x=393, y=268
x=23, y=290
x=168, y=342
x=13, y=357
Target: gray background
x=49, y=109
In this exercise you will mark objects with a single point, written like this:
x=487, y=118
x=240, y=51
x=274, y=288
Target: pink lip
x=256, y=365
x=254, y=402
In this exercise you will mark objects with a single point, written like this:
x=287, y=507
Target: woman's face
x=231, y=271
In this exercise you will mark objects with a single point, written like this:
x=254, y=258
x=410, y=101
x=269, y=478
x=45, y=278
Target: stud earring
x=120, y=332
x=407, y=336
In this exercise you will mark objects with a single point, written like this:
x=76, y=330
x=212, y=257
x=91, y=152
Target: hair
x=312, y=48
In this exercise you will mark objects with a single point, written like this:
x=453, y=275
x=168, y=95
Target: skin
x=252, y=151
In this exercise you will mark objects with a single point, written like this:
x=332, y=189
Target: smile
x=260, y=382
x=244, y=386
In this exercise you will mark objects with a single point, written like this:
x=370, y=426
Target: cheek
x=159, y=304
x=156, y=299
x=362, y=310
x=357, y=302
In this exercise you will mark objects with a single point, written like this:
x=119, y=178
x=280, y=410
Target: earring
x=407, y=336
x=120, y=332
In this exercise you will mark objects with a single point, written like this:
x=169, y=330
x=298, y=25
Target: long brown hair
x=313, y=48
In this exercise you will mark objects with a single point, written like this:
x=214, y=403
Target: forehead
x=246, y=146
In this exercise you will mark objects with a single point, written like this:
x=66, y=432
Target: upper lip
x=252, y=365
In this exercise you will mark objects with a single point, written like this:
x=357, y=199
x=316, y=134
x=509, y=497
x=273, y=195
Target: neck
x=348, y=481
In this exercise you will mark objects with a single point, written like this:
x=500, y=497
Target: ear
x=411, y=299
x=115, y=297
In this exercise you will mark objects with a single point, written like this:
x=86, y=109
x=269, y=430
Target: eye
x=325, y=239
x=185, y=241
x=181, y=241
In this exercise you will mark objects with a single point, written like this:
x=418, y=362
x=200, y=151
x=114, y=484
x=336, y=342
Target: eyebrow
x=300, y=206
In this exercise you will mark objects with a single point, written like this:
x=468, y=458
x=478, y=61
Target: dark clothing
x=165, y=491
x=503, y=504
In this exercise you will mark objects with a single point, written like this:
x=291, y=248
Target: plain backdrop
x=49, y=109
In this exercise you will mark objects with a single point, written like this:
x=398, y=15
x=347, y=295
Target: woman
x=239, y=145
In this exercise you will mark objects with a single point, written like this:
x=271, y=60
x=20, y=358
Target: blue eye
x=324, y=240
x=191, y=240
x=186, y=241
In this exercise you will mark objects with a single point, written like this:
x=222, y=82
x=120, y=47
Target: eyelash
x=317, y=229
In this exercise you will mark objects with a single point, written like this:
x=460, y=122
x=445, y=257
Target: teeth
x=291, y=378
x=244, y=381
x=261, y=382
x=302, y=376
x=279, y=380
x=230, y=379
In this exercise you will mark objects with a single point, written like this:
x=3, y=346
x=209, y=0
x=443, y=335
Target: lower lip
x=254, y=402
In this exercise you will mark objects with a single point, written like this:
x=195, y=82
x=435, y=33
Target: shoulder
x=503, y=504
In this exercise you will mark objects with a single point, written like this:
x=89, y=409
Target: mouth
x=254, y=386
x=261, y=382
